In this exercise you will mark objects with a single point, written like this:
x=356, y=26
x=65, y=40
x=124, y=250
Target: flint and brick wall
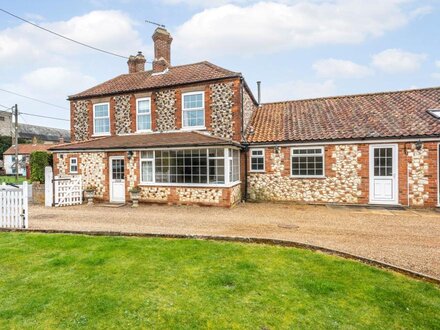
x=223, y=115
x=346, y=178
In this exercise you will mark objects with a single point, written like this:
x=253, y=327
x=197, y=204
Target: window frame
x=70, y=165
x=143, y=114
x=94, y=118
x=260, y=156
x=199, y=127
x=227, y=183
x=146, y=160
x=299, y=155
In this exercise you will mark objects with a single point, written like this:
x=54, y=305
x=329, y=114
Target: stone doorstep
x=111, y=205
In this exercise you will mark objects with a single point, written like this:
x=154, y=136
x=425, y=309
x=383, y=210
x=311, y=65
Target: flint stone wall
x=80, y=120
x=418, y=170
x=222, y=102
x=122, y=114
x=343, y=187
x=166, y=110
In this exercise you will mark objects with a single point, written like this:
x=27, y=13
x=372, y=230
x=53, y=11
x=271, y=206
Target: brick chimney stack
x=136, y=63
x=162, y=49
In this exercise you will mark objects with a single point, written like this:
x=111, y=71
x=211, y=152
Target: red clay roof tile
x=26, y=149
x=381, y=115
x=177, y=75
x=151, y=140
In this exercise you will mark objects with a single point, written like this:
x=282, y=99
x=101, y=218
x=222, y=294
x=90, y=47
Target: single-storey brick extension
x=195, y=134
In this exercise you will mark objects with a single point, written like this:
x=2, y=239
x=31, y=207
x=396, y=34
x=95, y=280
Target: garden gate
x=14, y=206
x=68, y=190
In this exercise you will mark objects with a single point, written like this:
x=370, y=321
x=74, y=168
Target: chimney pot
x=136, y=63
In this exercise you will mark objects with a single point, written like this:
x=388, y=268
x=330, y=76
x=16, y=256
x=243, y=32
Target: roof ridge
x=55, y=128
x=80, y=142
x=352, y=95
x=219, y=68
x=104, y=82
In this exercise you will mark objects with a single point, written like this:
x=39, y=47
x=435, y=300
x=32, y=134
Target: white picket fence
x=68, y=190
x=14, y=206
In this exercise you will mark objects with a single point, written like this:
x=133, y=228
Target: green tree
x=38, y=161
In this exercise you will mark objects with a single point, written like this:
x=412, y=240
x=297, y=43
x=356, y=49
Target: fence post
x=25, y=205
x=48, y=186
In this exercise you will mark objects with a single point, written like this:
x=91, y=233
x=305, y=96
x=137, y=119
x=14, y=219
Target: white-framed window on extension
x=73, y=165
x=197, y=166
x=193, y=110
x=147, y=166
x=257, y=160
x=234, y=165
x=143, y=114
x=307, y=162
x=101, y=119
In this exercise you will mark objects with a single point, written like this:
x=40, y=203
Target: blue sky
x=297, y=48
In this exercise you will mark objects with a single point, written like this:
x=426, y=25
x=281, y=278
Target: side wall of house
x=347, y=177
x=222, y=110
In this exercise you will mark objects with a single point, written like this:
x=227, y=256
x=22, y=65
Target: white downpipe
x=407, y=180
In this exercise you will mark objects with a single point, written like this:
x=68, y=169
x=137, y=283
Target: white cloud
x=51, y=84
x=333, y=68
x=437, y=64
x=398, y=61
x=57, y=80
x=266, y=27
x=110, y=30
x=298, y=89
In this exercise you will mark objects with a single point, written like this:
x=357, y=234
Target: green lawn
x=62, y=281
x=11, y=179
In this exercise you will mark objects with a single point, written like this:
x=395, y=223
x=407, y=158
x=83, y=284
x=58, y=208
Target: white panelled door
x=383, y=174
x=117, y=180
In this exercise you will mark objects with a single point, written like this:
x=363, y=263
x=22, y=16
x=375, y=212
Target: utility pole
x=16, y=141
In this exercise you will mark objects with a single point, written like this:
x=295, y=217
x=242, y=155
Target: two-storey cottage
x=174, y=131
x=195, y=134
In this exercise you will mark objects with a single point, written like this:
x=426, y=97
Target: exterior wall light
x=129, y=154
x=419, y=145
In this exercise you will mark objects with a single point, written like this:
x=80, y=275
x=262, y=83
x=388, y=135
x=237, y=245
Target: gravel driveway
x=405, y=238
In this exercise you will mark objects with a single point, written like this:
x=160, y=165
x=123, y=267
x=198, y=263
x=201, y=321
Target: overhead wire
x=62, y=36
x=34, y=99
x=41, y=116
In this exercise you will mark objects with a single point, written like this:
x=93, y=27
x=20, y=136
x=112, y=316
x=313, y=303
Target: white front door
x=383, y=174
x=117, y=179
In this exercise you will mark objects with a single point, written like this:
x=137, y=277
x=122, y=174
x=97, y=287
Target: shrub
x=38, y=161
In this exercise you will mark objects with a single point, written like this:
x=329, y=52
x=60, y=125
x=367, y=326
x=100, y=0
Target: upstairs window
x=193, y=110
x=143, y=114
x=257, y=160
x=101, y=119
x=73, y=165
x=308, y=162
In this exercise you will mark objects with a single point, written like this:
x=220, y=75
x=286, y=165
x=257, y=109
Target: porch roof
x=147, y=140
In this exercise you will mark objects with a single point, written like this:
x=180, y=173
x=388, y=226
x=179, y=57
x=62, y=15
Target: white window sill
x=144, y=131
x=193, y=128
x=307, y=177
x=257, y=171
x=101, y=134
x=190, y=185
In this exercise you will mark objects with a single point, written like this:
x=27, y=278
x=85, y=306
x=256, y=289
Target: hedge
x=38, y=161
